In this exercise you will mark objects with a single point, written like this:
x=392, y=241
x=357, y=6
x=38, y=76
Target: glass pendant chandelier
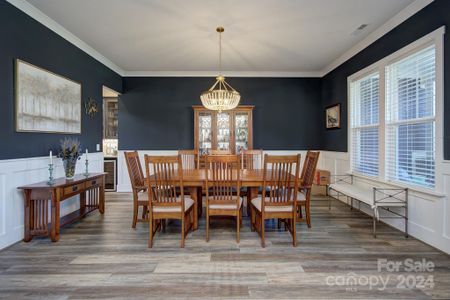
x=221, y=96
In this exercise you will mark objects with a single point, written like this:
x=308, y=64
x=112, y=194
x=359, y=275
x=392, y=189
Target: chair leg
x=144, y=212
x=263, y=242
x=308, y=214
x=150, y=238
x=135, y=214
x=183, y=229
x=207, y=226
x=294, y=231
x=238, y=221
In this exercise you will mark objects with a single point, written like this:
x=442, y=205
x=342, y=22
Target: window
x=395, y=129
x=365, y=124
x=410, y=119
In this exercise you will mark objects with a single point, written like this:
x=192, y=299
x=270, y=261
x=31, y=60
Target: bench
x=374, y=197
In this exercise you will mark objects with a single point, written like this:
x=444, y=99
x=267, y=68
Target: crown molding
x=39, y=16
x=226, y=74
x=45, y=20
x=399, y=18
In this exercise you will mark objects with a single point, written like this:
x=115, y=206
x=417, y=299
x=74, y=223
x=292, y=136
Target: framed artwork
x=46, y=102
x=333, y=116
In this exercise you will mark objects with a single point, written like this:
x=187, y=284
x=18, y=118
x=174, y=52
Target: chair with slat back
x=140, y=195
x=306, y=181
x=189, y=158
x=222, y=189
x=191, y=161
x=250, y=160
x=279, y=194
x=165, y=175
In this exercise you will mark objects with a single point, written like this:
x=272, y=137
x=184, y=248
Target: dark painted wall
x=156, y=113
x=24, y=38
x=334, y=84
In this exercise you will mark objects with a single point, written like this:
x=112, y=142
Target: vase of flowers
x=70, y=152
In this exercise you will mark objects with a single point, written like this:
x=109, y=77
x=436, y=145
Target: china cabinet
x=227, y=130
x=110, y=119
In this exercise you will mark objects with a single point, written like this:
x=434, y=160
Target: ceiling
x=260, y=35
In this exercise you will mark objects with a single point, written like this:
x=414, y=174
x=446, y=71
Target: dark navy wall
x=156, y=113
x=24, y=38
x=334, y=84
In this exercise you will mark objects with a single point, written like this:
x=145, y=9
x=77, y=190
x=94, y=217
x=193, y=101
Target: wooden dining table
x=195, y=181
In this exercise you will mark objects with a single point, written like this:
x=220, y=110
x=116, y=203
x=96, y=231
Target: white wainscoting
x=23, y=171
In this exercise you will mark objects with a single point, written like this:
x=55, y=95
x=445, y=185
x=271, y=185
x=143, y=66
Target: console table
x=91, y=189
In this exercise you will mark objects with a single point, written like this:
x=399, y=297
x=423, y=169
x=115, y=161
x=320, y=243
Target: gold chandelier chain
x=220, y=53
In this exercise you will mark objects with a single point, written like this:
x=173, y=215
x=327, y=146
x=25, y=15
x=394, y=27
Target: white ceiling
x=260, y=35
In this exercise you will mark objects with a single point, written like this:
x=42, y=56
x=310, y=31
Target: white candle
x=87, y=153
x=51, y=157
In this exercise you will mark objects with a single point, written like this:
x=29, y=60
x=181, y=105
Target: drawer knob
x=74, y=188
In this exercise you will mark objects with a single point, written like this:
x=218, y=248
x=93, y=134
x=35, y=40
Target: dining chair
x=306, y=181
x=191, y=161
x=164, y=175
x=140, y=196
x=250, y=160
x=279, y=194
x=222, y=189
x=189, y=158
x=219, y=152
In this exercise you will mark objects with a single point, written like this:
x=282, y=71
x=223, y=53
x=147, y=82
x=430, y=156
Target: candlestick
x=86, y=172
x=51, y=179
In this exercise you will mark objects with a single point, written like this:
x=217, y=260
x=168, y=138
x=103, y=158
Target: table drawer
x=73, y=189
x=93, y=182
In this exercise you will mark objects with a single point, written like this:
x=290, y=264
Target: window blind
x=364, y=124
x=410, y=119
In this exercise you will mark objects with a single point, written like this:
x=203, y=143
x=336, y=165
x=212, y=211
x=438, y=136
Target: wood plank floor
x=102, y=257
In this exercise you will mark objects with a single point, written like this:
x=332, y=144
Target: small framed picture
x=333, y=116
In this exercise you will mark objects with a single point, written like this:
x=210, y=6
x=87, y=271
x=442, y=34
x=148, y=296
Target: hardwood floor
x=103, y=257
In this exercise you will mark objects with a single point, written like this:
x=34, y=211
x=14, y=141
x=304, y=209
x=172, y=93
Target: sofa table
x=90, y=188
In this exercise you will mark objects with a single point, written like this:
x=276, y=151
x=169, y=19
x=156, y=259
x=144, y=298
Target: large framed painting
x=333, y=116
x=46, y=102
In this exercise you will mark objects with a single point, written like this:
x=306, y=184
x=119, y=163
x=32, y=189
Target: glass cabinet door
x=241, y=131
x=110, y=120
x=223, y=131
x=204, y=132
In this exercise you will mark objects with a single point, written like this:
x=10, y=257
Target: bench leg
x=374, y=225
x=406, y=222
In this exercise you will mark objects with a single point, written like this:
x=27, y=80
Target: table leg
x=101, y=204
x=27, y=221
x=252, y=192
x=54, y=232
x=193, y=191
x=83, y=201
x=200, y=201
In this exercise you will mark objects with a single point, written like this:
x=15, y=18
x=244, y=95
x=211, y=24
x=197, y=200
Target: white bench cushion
x=188, y=202
x=301, y=196
x=257, y=203
x=363, y=194
x=225, y=206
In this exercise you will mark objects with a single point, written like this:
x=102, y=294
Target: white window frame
x=437, y=38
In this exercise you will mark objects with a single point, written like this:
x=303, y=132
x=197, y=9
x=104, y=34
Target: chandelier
x=221, y=96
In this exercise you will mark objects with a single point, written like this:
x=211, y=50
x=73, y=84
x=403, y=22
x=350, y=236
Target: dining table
x=195, y=181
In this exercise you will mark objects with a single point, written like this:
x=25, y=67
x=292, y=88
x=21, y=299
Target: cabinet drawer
x=73, y=189
x=93, y=182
